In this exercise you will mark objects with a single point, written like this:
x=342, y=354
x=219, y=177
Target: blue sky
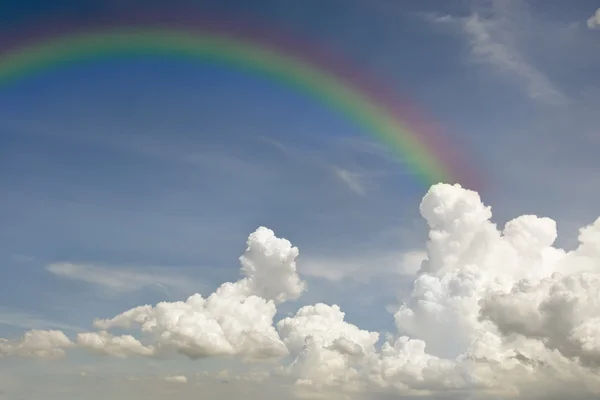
x=158, y=170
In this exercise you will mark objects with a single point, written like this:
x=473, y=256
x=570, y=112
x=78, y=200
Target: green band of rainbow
x=253, y=57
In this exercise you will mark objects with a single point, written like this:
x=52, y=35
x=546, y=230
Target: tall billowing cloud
x=269, y=265
x=237, y=319
x=501, y=302
x=493, y=311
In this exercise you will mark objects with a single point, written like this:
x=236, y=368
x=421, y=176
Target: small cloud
x=439, y=18
x=352, y=180
x=593, y=22
x=120, y=279
x=443, y=18
x=176, y=379
x=224, y=374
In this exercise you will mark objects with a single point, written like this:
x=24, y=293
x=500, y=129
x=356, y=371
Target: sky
x=172, y=228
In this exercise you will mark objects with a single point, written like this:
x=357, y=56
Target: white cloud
x=324, y=345
x=176, y=379
x=122, y=279
x=494, y=313
x=237, y=319
x=37, y=344
x=488, y=45
x=117, y=346
x=439, y=18
x=352, y=180
x=493, y=40
x=593, y=22
x=269, y=266
x=560, y=312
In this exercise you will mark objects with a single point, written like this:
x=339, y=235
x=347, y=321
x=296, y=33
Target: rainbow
x=358, y=98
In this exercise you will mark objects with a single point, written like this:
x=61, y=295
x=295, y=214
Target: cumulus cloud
x=36, y=343
x=494, y=311
x=269, y=265
x=506, y=300
x=593, y=22
x=327, y=349
x=117, y=346
x=237, y=319
x=562, y=312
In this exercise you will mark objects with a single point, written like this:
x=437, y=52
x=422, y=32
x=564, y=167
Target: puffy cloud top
x=269, y=265
x=237, y=319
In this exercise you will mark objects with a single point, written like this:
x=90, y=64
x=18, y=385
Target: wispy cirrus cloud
x=337, y=158
x=25, y=320
x=351, y=179
x=124, y=279
x=491, y=43
x=494, y=36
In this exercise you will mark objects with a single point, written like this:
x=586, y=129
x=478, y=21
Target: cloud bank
x=494, y=313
